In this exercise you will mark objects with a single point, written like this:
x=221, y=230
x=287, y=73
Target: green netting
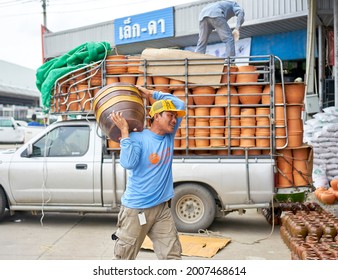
x=49, y=72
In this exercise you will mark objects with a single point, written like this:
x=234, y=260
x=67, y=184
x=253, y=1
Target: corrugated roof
x=261, y=17
x=17, y=81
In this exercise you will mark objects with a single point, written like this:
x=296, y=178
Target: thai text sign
x=143, y=27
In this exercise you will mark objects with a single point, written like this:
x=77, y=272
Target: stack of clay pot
x=72, y=93
x=294, y=94
x=294, y=167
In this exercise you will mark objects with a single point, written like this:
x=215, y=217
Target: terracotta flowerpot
x=263, y=116
x=217, y=120
x=285, y=180
x=247, y=141
x=294, y=93
x=249, y=94
x=176, y=84
x=116, y=64
x=247, y=74
x=295, y=139
x=222, y=97
x=295, y=125
x=84, y=96
x=181, y=94
x=278, y=94
x=161, y=83
x=279, y=113
x=293, y=112
x=229, y=76
x=327, y=197
x=216, y=139
x=72, y=101
x=285, y=161
x=203, y=95
x=112, y=80
x=300, y=154
x=133, y=64
x=128, y=79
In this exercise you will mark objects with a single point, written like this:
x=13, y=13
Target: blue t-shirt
x=148, y=159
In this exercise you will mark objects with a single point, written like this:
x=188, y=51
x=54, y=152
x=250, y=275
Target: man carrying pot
x=216, y=16
x=147, y=156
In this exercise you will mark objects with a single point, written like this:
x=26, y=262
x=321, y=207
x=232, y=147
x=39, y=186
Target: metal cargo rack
x=73, y=94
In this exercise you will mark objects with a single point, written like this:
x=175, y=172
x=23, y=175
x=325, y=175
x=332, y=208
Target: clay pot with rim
x=247, y=74
x=116, y=64
x=327, y=197
x=222, y=97
x=249, y=94
x=294, y=93
x=203, y=95
x=278, y=94
x=226, y=73
x=161, y=83
x=181, y=94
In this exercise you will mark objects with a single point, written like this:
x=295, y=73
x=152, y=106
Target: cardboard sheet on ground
x=202, y=68
x=196, y=245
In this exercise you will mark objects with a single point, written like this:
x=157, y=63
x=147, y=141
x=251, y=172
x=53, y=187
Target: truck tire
x=193, y=207
x=2, y=204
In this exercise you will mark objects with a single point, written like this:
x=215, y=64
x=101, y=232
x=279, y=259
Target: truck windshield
x=63, y=141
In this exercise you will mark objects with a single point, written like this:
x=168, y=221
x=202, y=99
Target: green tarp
x=49, y=72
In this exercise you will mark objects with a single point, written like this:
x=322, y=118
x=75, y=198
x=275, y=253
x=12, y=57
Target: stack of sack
x=322, y=133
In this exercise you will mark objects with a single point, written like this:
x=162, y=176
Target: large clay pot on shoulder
x=119, y=97
x=249, y=94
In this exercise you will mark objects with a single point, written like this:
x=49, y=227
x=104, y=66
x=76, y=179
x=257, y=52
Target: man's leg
x=204, y=31
x=164, y=235
x=224, y=32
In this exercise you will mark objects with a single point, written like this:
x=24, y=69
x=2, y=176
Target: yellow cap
x=165, y=105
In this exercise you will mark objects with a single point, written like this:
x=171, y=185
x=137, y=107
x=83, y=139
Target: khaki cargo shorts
x=159, y=226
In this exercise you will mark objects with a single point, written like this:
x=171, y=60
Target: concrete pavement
x=88, y=237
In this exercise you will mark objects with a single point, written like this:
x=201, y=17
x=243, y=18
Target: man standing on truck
x=147, y=156
x=216, y=16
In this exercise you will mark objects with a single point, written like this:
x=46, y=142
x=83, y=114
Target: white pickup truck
x=68, y=167
x=71, y=166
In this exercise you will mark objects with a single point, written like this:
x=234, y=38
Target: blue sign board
x=287, y=46
x=143, y=27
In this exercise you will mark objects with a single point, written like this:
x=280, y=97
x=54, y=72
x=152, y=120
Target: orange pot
x=249, y=94
x=247, y=74
x=278, y=94
x=327, y=197
x=294, y=93
x=116, y=64
x=180, y=93
x=293, y=112
x=203, y=95
x=133, y=64
x=176, y=84
x=221, y=97
x=334, y=184
x=161, y=83
x=226, y=74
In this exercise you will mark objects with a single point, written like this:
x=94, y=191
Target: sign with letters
x=143, y=27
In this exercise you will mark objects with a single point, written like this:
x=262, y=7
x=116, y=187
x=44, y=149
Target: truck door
x=59, y=171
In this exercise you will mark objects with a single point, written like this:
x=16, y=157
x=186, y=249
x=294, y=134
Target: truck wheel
x=193, y=208
x=2, y=204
